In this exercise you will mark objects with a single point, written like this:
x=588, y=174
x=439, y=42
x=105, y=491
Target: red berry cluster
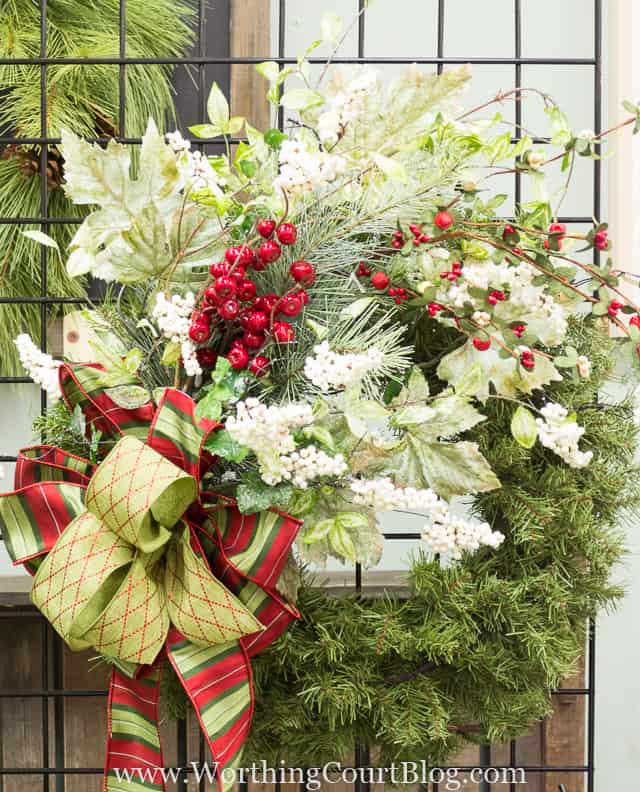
x=419, y=238
x=527, y=359
x=454, y=273
x=232, y=298
x=614, y=307
x=601, y=240
x=381, y=281
x=496, y=296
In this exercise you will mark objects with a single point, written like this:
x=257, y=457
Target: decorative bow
x=129, y=560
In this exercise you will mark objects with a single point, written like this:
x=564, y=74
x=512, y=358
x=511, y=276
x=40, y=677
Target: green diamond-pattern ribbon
x=125, y=569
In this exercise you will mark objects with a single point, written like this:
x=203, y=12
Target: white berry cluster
x=173, y=317
x=329, y=370
x=454, y=535
x=310, y=463
x=267, y=432
x=304, y=171
x=42, y=368
x=445, y=533
x=562, y=435
x=346, y=105
x=177, y=142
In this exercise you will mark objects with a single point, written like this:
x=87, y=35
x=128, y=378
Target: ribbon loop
x=140, y=495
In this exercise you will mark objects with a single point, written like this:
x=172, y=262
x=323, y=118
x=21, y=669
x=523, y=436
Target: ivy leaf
x=319, y=531
x=448, y=468
x=143, y=251
x=253, y=495
x=94, y=175
x=42, y=239
x=210, y=407
x=223, y=445
x=301, y=99
x=523, y=427
x=507, y=376
x=217, y=107
x=204, y=130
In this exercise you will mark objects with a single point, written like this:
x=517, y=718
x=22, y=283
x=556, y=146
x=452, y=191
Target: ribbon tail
x=218, y=681
x=133, y=759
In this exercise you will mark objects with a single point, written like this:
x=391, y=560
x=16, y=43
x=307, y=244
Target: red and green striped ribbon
x=244, y=554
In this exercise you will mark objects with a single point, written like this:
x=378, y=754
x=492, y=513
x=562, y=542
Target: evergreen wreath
x=362, y=332
x=84, y=99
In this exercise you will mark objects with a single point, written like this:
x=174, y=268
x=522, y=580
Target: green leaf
x=42, y=239
x=342, y=543
x=253, y=495
x=210, y=406
x=274, y=138
x=318, y=531
x=331, y=26
x=94, y=175
x=301, y=99
x=269, y=70
x=205, y=130
x=223, y=445
x=132, y=360
x=523, y=427
x=171, y=354
x=129, y=397
x=217, y=107
x=320, y=434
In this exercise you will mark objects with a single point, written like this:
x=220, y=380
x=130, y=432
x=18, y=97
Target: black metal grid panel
x=52, y=777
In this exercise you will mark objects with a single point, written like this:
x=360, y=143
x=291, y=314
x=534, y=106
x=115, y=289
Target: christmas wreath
x=325, y=324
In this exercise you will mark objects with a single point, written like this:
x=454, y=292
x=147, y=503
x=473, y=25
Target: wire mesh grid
x=53, y=773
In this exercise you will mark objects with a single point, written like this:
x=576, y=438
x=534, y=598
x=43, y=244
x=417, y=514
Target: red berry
x=443, y=220
x=557, y=228
x=268, y=252
x=507, y=231
x=219, y=268
x=519, y=330
x=204, y=317
x=397, y=244
x=290, y=305
x=259, y=365
x=225, y=286
x=303, y=272
x=434, y=309
x=257, y=321
x=266, y=228
x=380, y=280
x=456, y=266
x=199, y=332
x=415, y=229
x=206, y=357
x=229, y=309
x=424, y=238
x=246, y=290
x=287, y=233
x=302, y=294
x=211, y=296
x=238, y=272
x=496, y=296
x=363, y=271
x=239, y=255
x=600, y=240
x=238, y=357
x=635, y=320
x=480, y=344
x=283, y=332
x=253, y=340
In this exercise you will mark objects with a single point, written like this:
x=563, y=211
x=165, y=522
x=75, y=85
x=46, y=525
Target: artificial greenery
x=475, y=649
x=82, y=98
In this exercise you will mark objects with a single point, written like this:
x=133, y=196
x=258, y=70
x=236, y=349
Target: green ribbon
x=130, y=566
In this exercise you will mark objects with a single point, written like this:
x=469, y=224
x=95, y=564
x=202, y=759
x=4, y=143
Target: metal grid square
x=52, y=777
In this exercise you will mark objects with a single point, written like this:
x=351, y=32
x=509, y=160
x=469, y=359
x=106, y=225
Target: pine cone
x=28, y=162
